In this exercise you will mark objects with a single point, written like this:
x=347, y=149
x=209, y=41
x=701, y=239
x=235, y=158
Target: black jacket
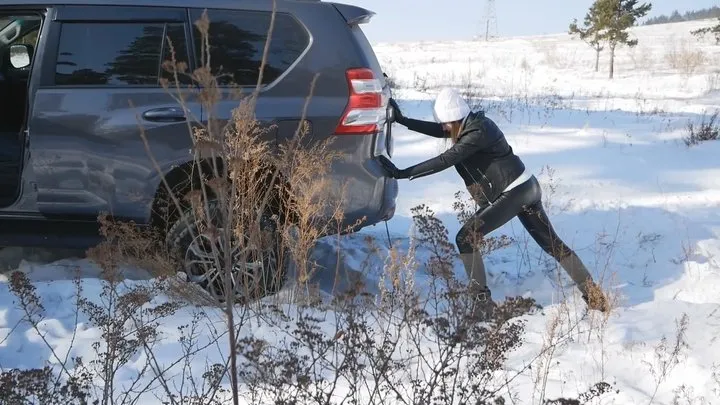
x=481, y=156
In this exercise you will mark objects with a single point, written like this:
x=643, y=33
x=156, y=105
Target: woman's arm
x=467, y=146
x=424, y=127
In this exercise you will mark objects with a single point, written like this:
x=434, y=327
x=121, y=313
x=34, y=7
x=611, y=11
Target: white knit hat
x=450, y=106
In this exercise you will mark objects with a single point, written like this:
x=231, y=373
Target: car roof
x=226, y=4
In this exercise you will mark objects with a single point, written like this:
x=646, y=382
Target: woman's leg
x=484, y=221
x=537, y=223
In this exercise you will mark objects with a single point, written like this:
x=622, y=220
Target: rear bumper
x=358, y=184
x=362, y=192
x=360, y=213
x=390, y=199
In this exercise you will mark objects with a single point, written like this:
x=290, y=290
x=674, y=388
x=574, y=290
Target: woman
x=499, y=183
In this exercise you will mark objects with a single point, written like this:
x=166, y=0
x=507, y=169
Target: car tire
x=264, y=273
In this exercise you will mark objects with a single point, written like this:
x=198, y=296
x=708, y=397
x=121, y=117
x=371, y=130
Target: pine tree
x=715, y=30
x=676, y=17
x=590, y=32
x=614, y=18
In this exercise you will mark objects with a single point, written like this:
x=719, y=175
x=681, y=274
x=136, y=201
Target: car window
x=22, y=58
x=28, y=39
x=28, y=25
x=116, y=54
x=237, y=41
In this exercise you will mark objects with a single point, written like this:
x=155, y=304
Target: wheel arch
x=181, y=180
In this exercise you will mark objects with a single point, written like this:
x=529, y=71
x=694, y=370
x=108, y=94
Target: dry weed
x=707, y=130
x=668, y=355
x=684, y=57
x=642, y=57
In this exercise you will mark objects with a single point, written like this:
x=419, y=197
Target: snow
x=622, y=189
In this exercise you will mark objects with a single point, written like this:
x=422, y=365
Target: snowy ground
x=622, y=189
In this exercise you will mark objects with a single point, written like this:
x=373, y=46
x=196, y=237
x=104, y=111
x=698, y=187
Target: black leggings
x=525, y=202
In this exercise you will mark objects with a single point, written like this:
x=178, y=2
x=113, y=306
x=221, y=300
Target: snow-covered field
x=640, y=208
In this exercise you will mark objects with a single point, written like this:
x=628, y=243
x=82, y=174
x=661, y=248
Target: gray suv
x=70, y=147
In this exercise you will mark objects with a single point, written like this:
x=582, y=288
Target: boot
x=483, y=305
x=592, y=294
x=594, y=297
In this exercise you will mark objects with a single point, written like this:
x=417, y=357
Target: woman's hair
x=455, y=131
x=454, y=135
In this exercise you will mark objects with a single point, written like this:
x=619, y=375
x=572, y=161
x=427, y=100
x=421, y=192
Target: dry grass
x=684, y=57
x=555, y=56
x=708, y=129
x=713, y=81
x=668, y=355
x=642, y=57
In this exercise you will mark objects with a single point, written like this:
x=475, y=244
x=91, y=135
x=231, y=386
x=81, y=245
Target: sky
x=415, y=20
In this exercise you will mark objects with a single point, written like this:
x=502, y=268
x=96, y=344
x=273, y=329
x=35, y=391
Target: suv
x=70, y=145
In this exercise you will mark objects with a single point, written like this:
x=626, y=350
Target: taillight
x=365, y=112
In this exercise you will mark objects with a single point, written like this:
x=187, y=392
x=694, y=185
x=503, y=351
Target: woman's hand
x=390, y=167
x=397, y=114
x=430, y=128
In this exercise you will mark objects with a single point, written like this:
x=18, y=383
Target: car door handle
x=169, y=114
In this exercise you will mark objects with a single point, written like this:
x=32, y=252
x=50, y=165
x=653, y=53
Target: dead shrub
x=706, y=130
x=405, y=345
x=684, y=57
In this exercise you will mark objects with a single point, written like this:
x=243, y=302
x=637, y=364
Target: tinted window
x=237, y=42
x=115, y=53
x=176, y=34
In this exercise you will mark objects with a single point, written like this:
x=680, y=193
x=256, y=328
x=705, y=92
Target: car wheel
x=262, y=274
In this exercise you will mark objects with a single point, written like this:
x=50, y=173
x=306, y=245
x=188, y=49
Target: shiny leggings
x=525, y=202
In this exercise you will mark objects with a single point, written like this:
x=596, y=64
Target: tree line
x=706, y=13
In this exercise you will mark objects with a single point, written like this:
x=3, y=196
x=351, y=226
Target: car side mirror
x=20, y=56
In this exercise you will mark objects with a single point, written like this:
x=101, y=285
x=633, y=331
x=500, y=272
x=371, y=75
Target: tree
x=590, y=32
x=715, y=30
x=614, y=18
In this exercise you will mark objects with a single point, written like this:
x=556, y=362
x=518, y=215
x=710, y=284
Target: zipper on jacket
x=488, y=180
x=475, y=180
x=419, y=174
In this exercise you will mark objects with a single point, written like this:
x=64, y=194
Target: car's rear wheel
x=256, y=269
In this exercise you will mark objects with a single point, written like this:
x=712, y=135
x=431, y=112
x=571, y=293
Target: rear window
x=237, y=42
x=367, y=50
x=117, y=54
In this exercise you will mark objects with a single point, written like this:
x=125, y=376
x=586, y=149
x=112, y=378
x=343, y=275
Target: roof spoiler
x=353, y=14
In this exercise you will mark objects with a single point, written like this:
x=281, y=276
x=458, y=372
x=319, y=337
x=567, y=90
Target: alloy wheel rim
x=204, y=259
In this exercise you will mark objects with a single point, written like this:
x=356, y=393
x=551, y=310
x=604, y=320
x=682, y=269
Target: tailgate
x=355, y=16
